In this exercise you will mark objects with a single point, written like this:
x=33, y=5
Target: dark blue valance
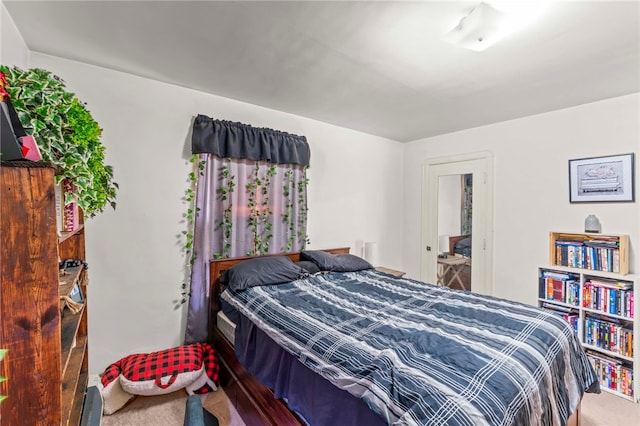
x=236, y=140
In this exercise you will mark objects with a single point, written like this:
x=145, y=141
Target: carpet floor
x=168, y=410
x=605, y=409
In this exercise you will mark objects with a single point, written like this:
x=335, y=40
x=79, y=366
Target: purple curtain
x=243, y=207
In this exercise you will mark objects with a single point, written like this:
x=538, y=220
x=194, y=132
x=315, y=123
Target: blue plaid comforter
x=418, y=354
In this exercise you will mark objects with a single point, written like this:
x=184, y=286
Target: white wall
x=13, y=50
x=531, y=185
x=136, y=263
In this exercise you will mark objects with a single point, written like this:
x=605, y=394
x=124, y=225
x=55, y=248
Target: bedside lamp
x=370, y=252
x=443, y=245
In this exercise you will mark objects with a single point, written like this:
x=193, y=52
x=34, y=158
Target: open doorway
x=457, y=221
x=455, y=230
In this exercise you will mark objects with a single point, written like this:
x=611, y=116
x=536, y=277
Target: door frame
x=429, y=234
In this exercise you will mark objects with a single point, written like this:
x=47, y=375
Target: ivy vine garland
x=260, y=221
x=190, y=216
x=287, y=217
x=303, y=239
x=226, y=189
x=66, y=133
x=260, y=213
x=2, y=379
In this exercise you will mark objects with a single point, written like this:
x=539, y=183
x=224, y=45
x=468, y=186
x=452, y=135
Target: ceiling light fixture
x=487, y=24
x=479, y=29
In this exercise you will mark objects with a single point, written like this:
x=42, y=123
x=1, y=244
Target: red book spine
x=70, y=220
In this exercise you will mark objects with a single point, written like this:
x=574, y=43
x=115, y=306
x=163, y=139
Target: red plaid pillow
x=193, y=367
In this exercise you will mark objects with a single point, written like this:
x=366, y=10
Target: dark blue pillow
x=311, y=267
x=335, y=262
x=262, y=271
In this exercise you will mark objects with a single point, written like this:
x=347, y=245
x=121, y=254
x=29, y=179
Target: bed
x=427, y=365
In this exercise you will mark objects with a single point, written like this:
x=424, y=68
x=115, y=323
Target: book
x=70, y=217
x=612, y=373
x=611, y=283
x=603, y=243
x=563, y=310
x=558, y=290
x=556, y=275
x=59, y=209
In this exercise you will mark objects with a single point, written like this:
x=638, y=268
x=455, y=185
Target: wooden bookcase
x=586, y=243
x=598, y=305
x=46, y=363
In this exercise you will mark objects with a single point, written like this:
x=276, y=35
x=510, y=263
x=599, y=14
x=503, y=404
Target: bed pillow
x=310, y=267
x=262, y=271
x=335, y=262
x=193, y=367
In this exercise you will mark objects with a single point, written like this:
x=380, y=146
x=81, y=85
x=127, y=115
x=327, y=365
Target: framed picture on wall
x=602, y=179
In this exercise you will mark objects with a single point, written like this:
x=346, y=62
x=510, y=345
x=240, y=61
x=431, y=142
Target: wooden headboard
x=453, y=240
x=218, y=266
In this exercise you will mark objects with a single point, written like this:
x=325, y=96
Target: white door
x=480, y=167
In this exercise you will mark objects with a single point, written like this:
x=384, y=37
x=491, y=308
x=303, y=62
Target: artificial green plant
x=259, y=210
x=3, y=352
x=187, y=235
x=260, y=221
x=226, y=223
x=303, y=213
x=66, y=134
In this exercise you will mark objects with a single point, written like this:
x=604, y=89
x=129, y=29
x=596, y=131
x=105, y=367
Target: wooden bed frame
x=256, y=403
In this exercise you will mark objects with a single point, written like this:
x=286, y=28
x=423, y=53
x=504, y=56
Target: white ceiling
x=378, y=67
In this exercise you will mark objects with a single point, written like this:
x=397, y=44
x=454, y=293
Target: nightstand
x=454, y=264
x=393, y=272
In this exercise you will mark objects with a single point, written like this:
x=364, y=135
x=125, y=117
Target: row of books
x=612, y=374
x=597, y=256
x=606, y=295
x=609, y=336
x=67, y=212
x=568, y=314
x=614, y=299
x=560, y=286
x=562, y=291
x=601, y=241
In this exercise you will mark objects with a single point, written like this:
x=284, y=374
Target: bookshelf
x=597, y=252
x=46, y=363
x=600, y=307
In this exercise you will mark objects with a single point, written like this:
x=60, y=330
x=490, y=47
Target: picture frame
x=602, y=179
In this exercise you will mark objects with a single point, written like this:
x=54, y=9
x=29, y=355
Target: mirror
x=455, y=195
